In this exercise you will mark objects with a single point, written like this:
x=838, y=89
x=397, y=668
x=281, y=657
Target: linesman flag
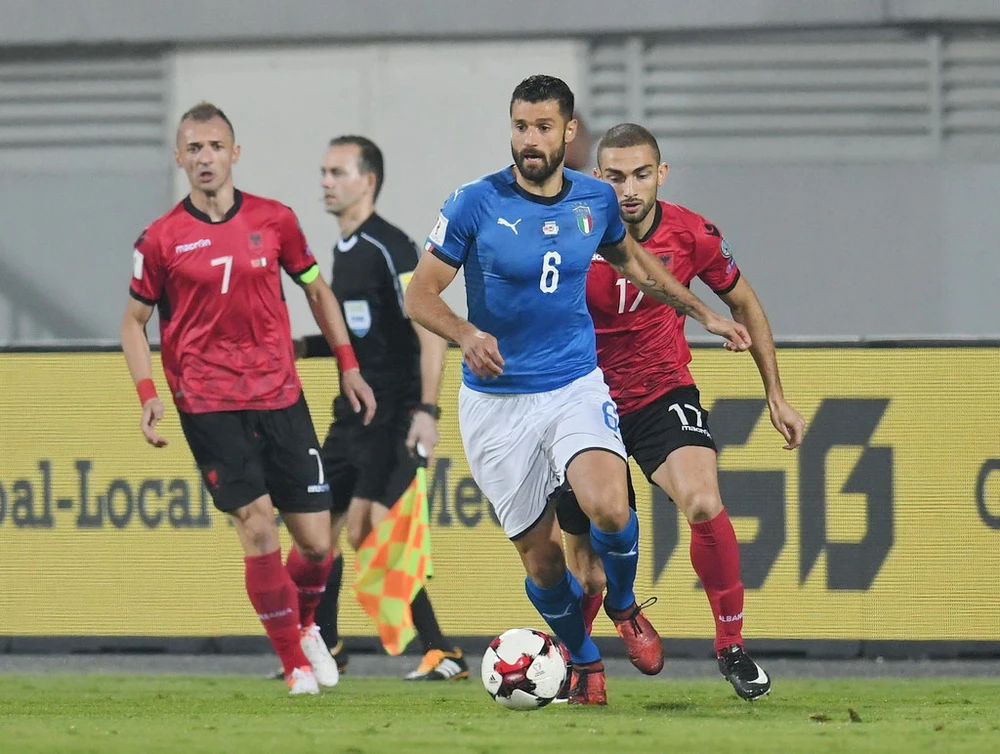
x=394, y=563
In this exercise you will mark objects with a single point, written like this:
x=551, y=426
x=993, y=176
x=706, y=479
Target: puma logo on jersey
x=513, y=227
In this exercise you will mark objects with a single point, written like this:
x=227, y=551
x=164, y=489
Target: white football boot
x=323, y=665
x=302, y=681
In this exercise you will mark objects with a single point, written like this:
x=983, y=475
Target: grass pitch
x=190, y=715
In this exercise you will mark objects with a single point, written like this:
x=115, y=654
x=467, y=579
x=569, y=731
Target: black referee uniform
x=370, y=271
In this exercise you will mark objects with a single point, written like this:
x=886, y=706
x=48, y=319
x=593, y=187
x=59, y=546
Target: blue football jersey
x=526, y=259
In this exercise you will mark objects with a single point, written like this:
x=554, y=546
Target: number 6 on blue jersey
x=550, y=272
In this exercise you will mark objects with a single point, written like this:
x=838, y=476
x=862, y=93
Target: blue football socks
x=560, y=606
x=619, y=552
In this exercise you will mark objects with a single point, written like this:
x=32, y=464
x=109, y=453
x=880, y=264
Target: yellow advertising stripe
x=884, y=525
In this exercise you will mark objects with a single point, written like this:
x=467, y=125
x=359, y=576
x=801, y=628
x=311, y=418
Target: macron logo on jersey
x=201, y=243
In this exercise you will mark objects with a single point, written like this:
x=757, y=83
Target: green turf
x=110, y=714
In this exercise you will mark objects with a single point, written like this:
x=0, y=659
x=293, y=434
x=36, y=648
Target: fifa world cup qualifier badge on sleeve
x=728, y=254
x=437, y=234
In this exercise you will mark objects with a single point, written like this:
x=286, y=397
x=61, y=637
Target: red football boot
x=642, y=643
x=588, y=685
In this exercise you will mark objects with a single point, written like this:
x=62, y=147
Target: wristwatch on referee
x=430, y=409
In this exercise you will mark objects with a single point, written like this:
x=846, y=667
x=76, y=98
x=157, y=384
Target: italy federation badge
x=584, y=220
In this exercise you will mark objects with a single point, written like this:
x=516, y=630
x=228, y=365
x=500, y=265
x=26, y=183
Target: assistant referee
x=369, y=467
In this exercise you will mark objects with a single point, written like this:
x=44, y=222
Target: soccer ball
x=524, y=669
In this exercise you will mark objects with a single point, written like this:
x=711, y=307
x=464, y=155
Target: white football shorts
x=519, y=445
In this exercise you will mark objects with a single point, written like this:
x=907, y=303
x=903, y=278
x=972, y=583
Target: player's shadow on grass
x=669, y=707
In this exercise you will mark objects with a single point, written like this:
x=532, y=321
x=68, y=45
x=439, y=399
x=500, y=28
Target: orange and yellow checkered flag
x=393, y=564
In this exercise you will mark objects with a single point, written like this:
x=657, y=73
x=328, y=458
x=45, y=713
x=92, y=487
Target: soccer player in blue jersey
x=533, y=405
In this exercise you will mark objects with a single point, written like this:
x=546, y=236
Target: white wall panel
x=81, y=149
x=64, y=21
x=439, y=111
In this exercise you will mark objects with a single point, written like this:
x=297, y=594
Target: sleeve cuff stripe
x=615, y=243
x=729, y=288
x=445, y=258
x=143, y=299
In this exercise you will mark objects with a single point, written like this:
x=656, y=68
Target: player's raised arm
x=748, y=311
x=425, y=306
x=653, y=279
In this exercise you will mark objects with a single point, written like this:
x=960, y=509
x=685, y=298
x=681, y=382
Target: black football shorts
x=674, y=420
x=243, y=455
x=370, y=462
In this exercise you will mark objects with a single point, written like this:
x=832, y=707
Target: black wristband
x=430, y=409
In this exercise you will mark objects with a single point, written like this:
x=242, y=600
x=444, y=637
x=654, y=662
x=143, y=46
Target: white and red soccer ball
x=524, y=669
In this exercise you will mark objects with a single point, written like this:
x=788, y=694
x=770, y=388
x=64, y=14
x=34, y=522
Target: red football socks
x=310, y=577
x=715, y=555
x=275, y=599
x=591, y=605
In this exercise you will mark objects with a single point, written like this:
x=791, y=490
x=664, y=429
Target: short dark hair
x=542, y=88
x=204, y=112
x=628, y=135
x=369, y=161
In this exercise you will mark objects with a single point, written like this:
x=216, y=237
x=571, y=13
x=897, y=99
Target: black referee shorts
x=674, y=420
x=370, y=462
x=243, y=455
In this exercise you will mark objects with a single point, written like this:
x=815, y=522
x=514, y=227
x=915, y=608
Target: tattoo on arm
x=656, y=290
x=621, y=261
